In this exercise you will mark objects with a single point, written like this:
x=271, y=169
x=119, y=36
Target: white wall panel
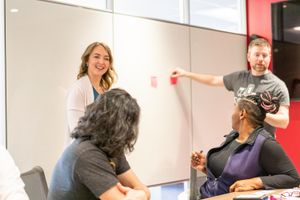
x=146, y=48
x=217, y=53
x=45, y=42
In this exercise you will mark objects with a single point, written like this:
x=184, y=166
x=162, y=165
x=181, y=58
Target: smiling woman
x=96, y=75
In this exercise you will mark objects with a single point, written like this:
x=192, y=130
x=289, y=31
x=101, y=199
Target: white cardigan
x=11, y=184
x=80, y=95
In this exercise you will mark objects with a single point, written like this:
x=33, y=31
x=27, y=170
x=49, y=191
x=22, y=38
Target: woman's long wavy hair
x=110, y=123
x=109, y=77
x=258, y=105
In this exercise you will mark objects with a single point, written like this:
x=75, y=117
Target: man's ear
x=248, y=56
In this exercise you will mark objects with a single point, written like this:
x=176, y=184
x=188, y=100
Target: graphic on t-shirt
x=242, y=92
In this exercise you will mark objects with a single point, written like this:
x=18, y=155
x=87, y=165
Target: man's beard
x=260, y=67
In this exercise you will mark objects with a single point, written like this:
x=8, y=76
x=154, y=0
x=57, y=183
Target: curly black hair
x=110, y=123
x=257, y=105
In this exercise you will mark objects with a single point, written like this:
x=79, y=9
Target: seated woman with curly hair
x=250, y=158
x=94, y=165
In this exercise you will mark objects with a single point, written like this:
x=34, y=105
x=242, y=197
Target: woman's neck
x=244, y=132
x=95, y=81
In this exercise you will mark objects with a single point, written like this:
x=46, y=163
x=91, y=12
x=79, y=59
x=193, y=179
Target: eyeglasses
x=291, y=193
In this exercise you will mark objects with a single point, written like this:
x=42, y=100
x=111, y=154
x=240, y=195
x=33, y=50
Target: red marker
x=173, y=80
x=154, y=81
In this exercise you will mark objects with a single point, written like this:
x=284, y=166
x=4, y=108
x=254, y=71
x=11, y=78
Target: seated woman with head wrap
x=250, y=158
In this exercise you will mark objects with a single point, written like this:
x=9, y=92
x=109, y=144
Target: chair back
x=35, y=183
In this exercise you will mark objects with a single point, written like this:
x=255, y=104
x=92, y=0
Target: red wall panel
x=290, y=138
x=259, y=22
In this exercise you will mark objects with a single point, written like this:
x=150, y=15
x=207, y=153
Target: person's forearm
x=136, y=195
x=129, y=179
x=280, y=181
x=277, y=120
x=145, y=189
x=205, y=78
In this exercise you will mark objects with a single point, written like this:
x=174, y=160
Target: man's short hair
x=259, y=42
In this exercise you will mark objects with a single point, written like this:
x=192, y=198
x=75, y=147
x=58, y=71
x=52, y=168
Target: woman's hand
x=198, y=161
x=132, y=194
x=246, y=185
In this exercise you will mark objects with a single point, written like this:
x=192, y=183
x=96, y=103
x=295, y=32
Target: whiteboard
x=144, y=49
x=44, y=44
x=218, y=53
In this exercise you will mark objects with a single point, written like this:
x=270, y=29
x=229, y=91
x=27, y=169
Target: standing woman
x=96, y=75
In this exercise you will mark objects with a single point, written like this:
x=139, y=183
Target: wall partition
x=44, y=45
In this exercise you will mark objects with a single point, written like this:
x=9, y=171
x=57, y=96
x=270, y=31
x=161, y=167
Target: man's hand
x=178, y=72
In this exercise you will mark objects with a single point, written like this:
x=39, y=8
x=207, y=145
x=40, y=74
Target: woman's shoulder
x=265, y=133
x=81, y=91
x=85, y=148
x=83, y=81
x=81, y=84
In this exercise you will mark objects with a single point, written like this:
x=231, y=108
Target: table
x=229, y=196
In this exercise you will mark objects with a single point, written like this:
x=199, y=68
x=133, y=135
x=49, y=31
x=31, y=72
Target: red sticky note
x=173, y=80
x=154, y=81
